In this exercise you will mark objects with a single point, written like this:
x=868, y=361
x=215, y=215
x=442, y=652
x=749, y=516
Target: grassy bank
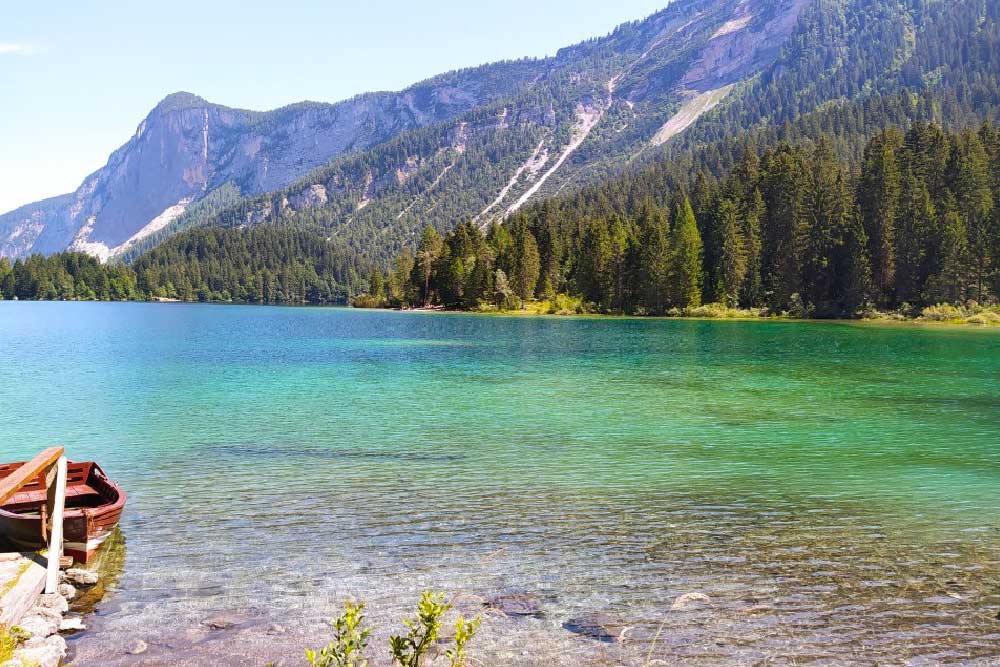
x=565, y=306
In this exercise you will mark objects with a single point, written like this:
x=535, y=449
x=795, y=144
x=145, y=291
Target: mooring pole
x=56, y=535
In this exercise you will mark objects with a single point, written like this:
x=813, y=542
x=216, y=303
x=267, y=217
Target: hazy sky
x=77, y=76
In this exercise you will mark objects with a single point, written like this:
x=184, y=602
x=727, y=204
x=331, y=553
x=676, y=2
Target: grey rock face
x=186, y=147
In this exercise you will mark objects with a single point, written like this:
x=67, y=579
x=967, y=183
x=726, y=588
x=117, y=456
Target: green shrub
x=422, y=630
x=368, y=301
x=942, y=312
x=464, y=631
x=350, y=640
x=564, y=304
x=985, y=318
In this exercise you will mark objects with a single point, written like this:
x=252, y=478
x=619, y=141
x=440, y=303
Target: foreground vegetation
x=795, y=232
x=350, y=638
x=10, y=640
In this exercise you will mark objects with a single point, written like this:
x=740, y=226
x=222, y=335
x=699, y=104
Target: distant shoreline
x=898, y=321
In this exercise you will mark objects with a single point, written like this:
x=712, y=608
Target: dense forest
x=260, y=265
x=791, y=230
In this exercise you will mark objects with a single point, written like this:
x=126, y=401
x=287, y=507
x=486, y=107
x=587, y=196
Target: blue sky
x=77, y=76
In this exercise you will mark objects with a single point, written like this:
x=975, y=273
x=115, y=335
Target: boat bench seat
x=75, y=496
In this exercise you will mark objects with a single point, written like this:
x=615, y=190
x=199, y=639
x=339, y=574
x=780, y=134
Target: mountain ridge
x=202, y=146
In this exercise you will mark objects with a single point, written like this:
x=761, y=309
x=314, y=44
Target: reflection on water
x=832, y=489
x=109, y=563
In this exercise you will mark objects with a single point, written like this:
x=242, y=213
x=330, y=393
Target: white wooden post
x=56, y=536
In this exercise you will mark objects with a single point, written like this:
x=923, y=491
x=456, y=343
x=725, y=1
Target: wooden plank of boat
x=30, y=471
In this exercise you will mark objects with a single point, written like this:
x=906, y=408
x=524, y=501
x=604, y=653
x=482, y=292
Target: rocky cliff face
x=477, y=143
x=187, y=147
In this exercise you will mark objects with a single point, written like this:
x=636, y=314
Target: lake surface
x=833, y=488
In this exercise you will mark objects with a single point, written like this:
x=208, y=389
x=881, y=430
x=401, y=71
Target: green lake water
x=833, y=488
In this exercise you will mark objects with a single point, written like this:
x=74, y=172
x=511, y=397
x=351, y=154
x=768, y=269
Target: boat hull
x=83, y=531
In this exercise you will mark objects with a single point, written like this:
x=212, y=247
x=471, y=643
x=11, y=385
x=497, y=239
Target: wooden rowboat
x=94, y=505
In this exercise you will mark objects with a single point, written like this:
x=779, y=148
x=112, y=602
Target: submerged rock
x=690, y=601
x=601, y=627
x=136, y=647
x=516, y=604
x=224, y=621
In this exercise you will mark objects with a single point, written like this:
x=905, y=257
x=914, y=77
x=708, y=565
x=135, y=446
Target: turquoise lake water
x=833, y=488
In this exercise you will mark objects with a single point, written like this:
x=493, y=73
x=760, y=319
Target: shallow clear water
x=834, y=488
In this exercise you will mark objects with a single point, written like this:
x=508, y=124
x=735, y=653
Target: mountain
x=512, y=130
x=691, y=84
x=188, y=150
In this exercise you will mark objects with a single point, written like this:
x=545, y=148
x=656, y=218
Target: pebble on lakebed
x=225, y=621
x=136, y=647
x=690, y=601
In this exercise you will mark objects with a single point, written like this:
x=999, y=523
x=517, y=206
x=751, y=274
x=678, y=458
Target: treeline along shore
x=912, y=230
x=790, y=230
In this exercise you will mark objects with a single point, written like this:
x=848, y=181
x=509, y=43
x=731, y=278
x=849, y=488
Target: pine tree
x=827, y=208
x=878, y=198
x=686, y=253
x=401, y=289
x=753, y=213
x=949, y=285
x=427, y=252
x=913, y=240
x=653, y=259
x=784, y=228
x=970, y=178
x=732, y=263
x=526, y=263
x=593, y=271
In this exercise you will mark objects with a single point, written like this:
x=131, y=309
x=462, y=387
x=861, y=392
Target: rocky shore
x=45, y=625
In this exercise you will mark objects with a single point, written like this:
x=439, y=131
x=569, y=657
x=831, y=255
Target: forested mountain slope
x=593, y=109
x=690, y=86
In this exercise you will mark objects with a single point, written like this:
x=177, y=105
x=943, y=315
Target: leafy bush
x=942, y=312
x=422, y=631
x=721, y=311
x=464, y=632
x=798, y=308
x=986, y=318
x=368, y=301
x=564, y=304
x=350, y=638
